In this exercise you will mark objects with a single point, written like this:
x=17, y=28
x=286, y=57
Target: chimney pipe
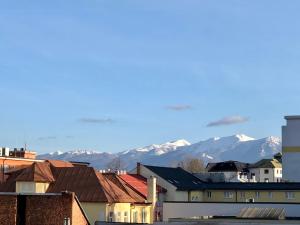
x=138, y=168
x=151, y=195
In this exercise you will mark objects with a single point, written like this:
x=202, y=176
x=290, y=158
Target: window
x=110, y=216
x=228, y=194
x=243, y=195
x=257, y=194
x=126, y=217
x=118, y=217
x=266, y=171
x=135, y=216
x=144, y=216
x=209, y=194
x=290, y=195
x=67, y=221
x=270, y=194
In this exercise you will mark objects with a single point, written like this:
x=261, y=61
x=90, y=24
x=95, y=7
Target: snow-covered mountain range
x=237, y=147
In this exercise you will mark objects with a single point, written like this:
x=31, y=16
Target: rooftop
x=178, y=177
x=227, y=166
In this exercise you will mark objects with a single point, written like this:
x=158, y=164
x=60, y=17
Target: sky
x=115, y=75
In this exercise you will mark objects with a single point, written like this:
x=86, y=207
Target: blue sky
x=113, y=75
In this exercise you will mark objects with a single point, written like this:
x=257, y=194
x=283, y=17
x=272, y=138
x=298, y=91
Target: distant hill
x=237, y=147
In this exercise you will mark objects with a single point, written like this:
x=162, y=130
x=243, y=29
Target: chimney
x=151, y=196
x=138, y=168
x=151, y=186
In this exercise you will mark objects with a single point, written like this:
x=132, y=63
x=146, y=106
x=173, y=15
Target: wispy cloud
x=69, y=136
x=96, y=120
x=228, y=121
x=47, y=138
x=179, y=107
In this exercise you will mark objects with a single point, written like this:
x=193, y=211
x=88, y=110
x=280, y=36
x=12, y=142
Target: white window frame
x=270, y=194
x=290, y=195
x=126, y=217
x=228, y=194
x=144, y=215
x=209, y=194
x=257, y=195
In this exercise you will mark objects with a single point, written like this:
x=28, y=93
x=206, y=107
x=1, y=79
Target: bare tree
x=192, y=165
x=115, y=165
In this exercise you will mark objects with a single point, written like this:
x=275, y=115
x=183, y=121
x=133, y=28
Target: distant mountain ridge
x=238, y=147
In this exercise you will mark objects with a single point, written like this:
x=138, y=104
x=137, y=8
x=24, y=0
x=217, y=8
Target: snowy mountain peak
x=56, y=153
x=274, y=140
x=238, y=147
x=180, y=142
x=243, y=137
x=86, y=152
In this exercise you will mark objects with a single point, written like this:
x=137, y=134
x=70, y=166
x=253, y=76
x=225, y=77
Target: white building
x=266, y=170
x=291, y=149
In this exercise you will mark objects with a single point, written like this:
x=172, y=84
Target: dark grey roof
x=245, y=186
x=176, y=176
x=227, y=166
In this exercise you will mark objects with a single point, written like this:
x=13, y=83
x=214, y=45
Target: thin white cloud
x=47, y=138
x=96, y=120
x=228, y=121
x=179, y=107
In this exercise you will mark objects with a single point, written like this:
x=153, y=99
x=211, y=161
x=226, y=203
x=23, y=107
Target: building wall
x=139, y=210
x=40, y=209
x=187, y=210
x=102, y=212
x=31, y=187
x=291, y=150
x=8, y=209
x=52, y=209
x=172, y=194
x=261, y=196
x=95, y=211
x=77, y=217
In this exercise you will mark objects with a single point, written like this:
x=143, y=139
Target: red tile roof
x=139, y=183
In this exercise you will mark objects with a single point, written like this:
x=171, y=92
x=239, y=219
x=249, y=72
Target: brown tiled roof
x=60, y=163
x=38, y=172
x=10, y=183
x=138, y=197
x=88, y=184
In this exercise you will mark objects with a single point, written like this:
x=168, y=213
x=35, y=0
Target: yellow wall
x=196, y=196
x=264, y=196
x=94, y=211
x=218, y=195
x=41, y=187
x=31, y=187
x=101, y=212
x=139, y=209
